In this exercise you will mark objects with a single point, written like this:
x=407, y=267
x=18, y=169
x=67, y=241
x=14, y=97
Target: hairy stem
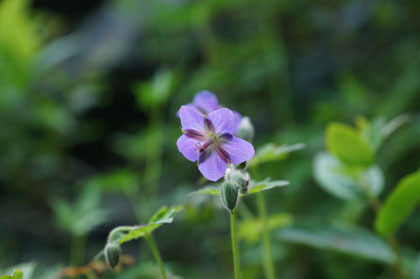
x=235, y=252
x=156, y=254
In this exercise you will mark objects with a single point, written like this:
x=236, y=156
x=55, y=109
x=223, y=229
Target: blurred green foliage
x=88, y=114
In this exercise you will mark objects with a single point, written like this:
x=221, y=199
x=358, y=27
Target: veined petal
x=223, y=121
x=239, y=150
x=191, y=119
x=206, y=101
x=189, y=147
x=238, y=118
x=213, y=167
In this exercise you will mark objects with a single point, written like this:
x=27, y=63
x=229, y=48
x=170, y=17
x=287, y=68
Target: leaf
x=82, y=216
x=267, y=184
x=17, y=274
x=376, y=131
x=416, y=268
x=156, y=91
x=348, y=145
x=164, y=215
x=345, y=239
x=399, y=205
x=254, y=187
x=209, y=190
x=271, y=152
x=114, y=181
x=344, y=182
x=251, y=229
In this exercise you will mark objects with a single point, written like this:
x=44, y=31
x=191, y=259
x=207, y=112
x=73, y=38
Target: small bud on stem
x=112, y=254
x=229, y=194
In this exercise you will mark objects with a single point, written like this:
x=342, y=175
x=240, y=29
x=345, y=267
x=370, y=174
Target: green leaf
x=345, y=239
x=348, y=145
x=345, y=182
x=155, y=92
x=399, y=205
x=271, y=152
x=209, y=190
x=17, y=274
x=164, y=215
x=114, y=181
x=82, y=216
x=251, y=229
x=267, y=184
x=254, y=187
x=416, y=268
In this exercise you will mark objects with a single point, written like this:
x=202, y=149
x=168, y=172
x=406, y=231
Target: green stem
x=269, y=269
x=156, y=254
x=235, y=252
x=376, y=204
x=77, y=250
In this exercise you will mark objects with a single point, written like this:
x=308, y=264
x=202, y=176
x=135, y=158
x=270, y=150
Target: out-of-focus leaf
x=345, y=239
x=164, y=215
x=155, y=92
x=416, y=269
x=267, y=184
x=348, y=145
x=209, y=190
x=399, y=205
x=82, y=216
x=344, y=181
x=377, y=130
x=114, y=181
x=17, y=274
x=271, y=152
x=251, y=229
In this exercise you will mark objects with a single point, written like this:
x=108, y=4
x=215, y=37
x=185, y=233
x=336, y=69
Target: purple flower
x=209, y=139
x=206, y=101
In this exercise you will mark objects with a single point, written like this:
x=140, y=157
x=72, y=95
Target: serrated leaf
x=251, y=229
x=344, y=181
x=399, y=205
x=271, y=152
x=267, y=184
x=164, y=215
x=345, y=239
x=349, y=145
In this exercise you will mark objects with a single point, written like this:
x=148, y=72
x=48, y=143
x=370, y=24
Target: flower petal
x=213, y=167
x=239, y=150
x=223, y=121
x=238, y=118
x=206, y=101
x=191, y=119
x=188, y=147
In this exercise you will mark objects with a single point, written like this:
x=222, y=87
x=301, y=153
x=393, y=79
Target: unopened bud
x=229, y=193
x=242, y=179
x=246, y=130
x=112, y=254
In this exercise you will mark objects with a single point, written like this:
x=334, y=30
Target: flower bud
x=229, y=193
x=246, y=129
x=228, y=174
x=242, y=179
x=112, y=254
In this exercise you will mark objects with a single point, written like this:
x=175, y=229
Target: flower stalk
x=235, y=252
x=152, y=244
